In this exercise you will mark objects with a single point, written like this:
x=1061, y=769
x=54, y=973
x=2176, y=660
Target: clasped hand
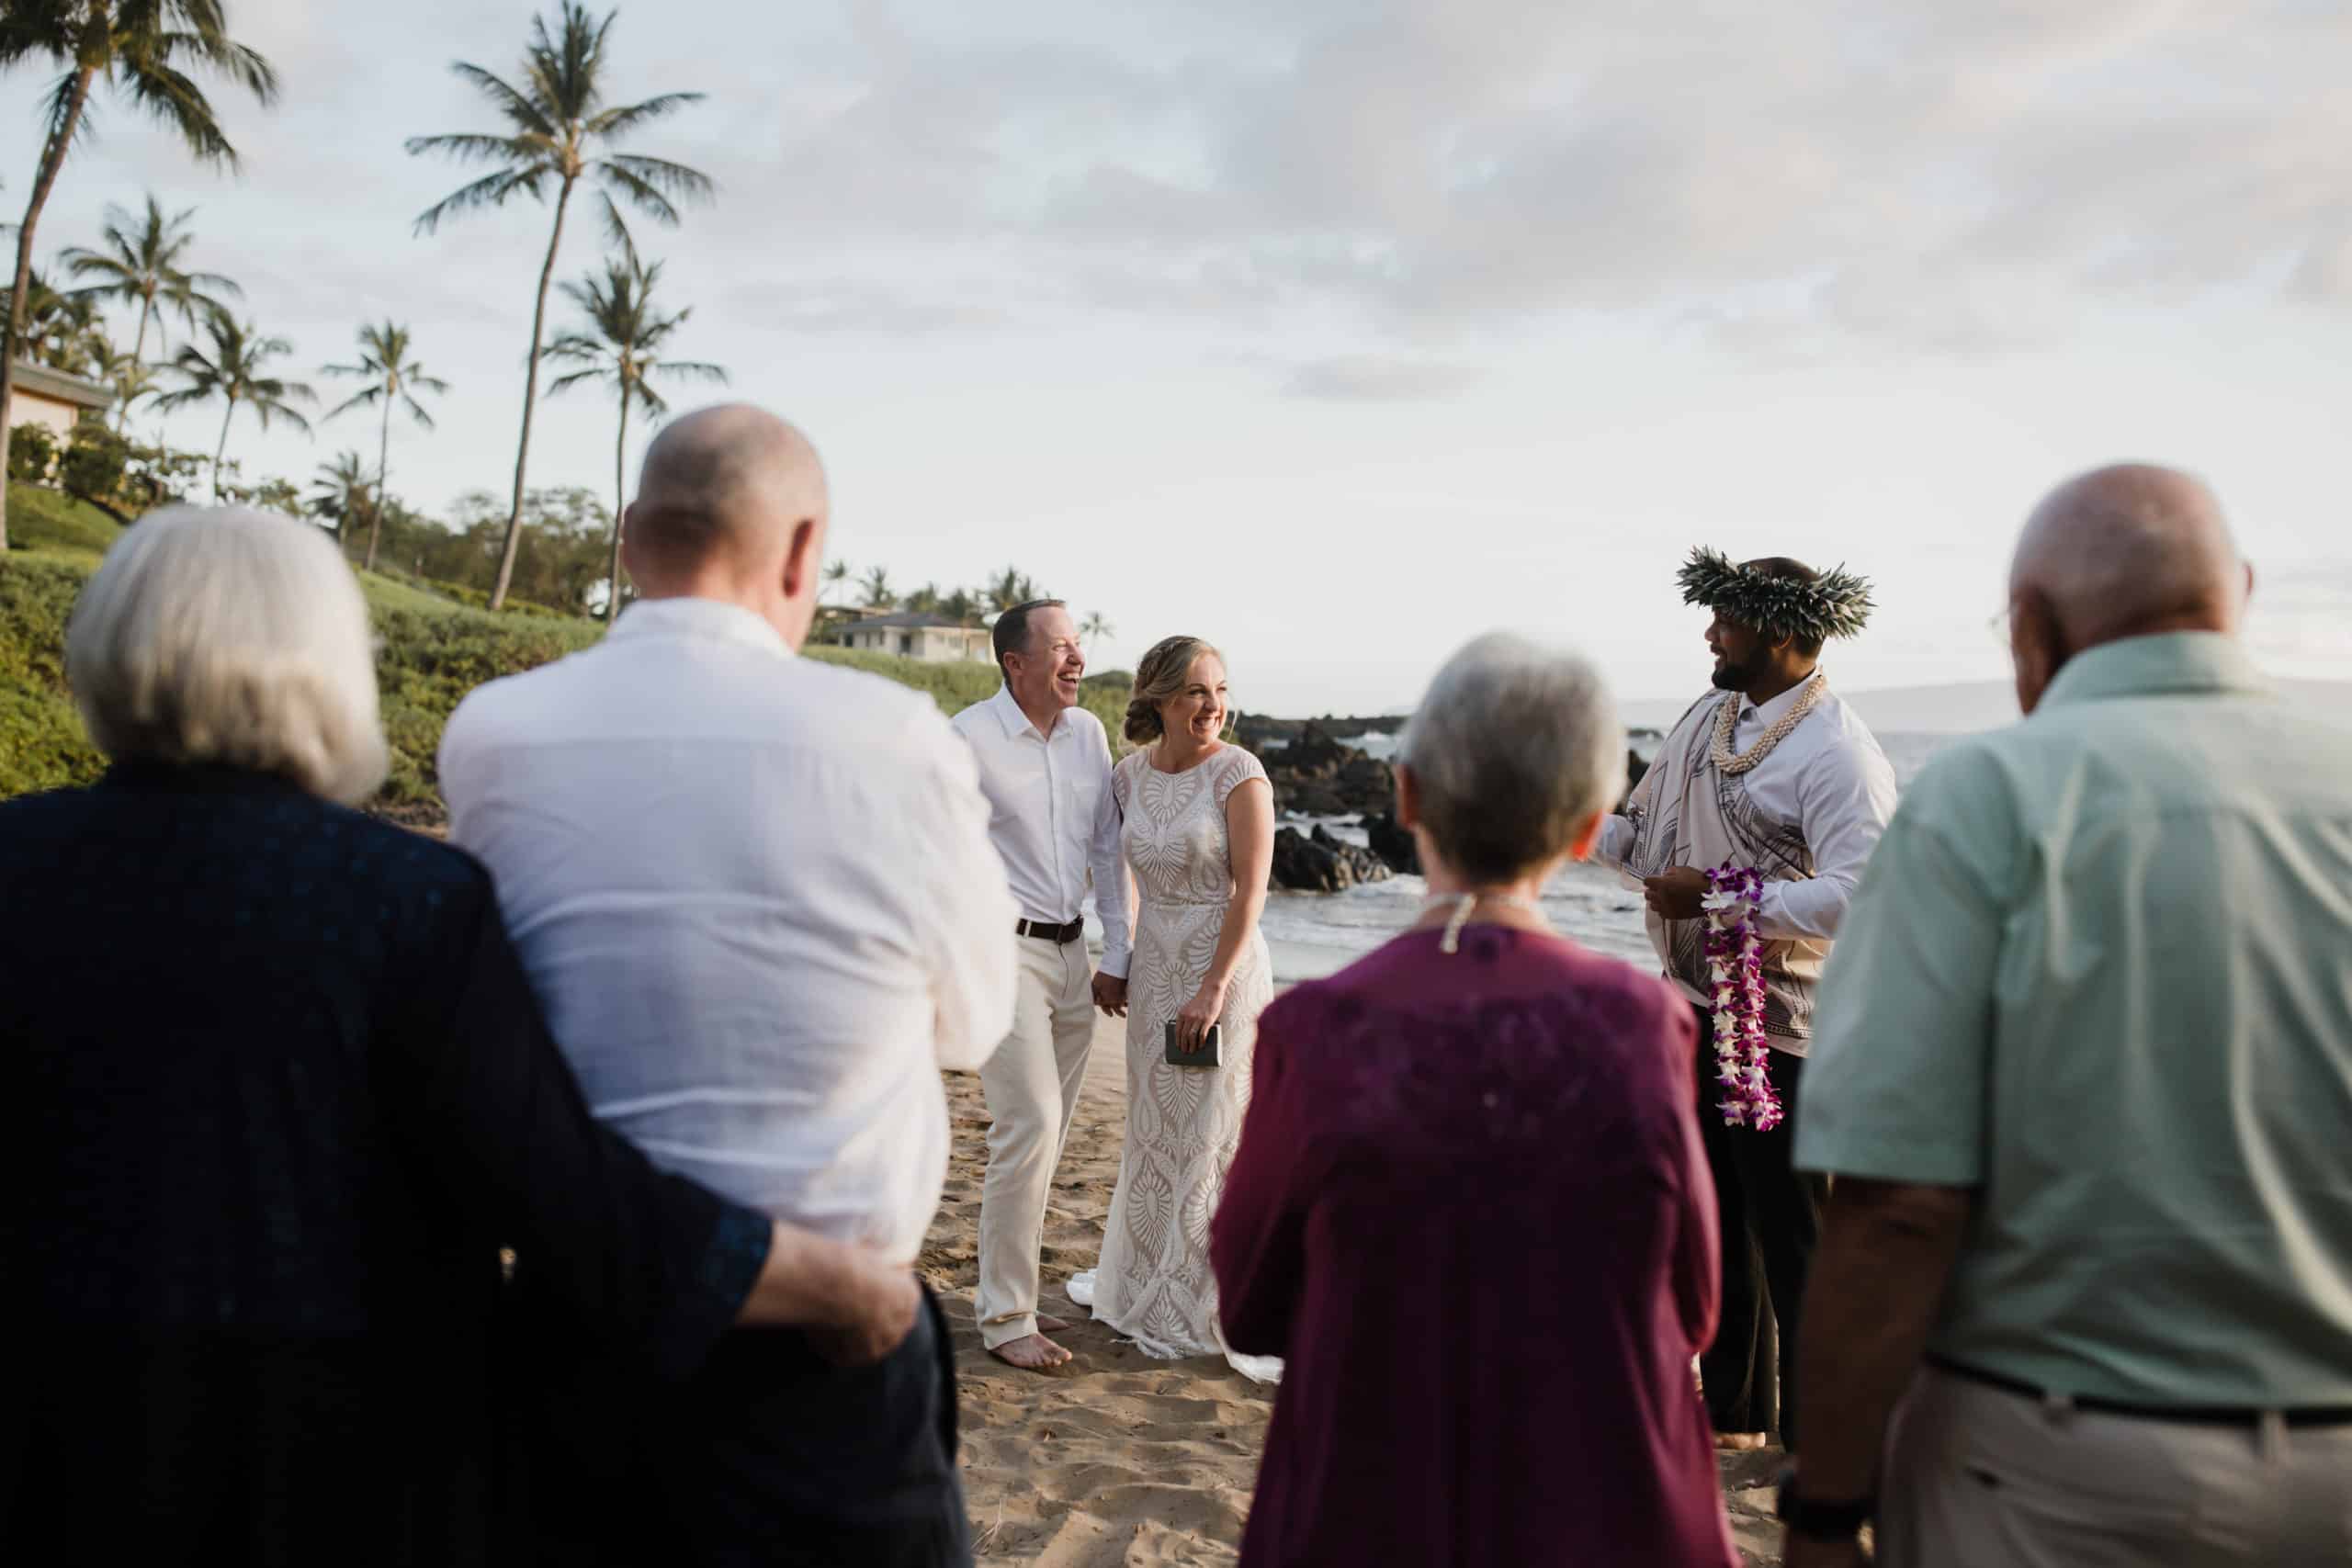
x=1111, y=994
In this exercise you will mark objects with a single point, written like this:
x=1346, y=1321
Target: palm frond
x=491, y=190
x=509, y=100
x=176, y=104
x=207, y=41
x=616, y=123
x=565, y=383
x=416, y=409
x=57, y=107
x=645, y=197
x=672, y=179
x=690, y=370
x=366, y=398
x=474, y=147
x=616, y=233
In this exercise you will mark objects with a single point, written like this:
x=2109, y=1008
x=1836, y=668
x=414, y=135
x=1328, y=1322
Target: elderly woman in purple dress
x=1470, y=1209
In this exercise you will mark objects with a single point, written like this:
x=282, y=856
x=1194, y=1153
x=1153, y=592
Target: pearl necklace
x=1727, y=718
x=1463, y=903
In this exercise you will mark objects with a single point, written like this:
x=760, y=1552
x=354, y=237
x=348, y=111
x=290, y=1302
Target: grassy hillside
x=434, y=649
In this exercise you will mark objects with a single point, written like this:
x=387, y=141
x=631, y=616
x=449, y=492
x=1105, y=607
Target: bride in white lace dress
x=1198, y=826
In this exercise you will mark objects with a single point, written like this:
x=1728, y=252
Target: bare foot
x=1741, y=1443
x=1051, y=1324
x=1034, y=1354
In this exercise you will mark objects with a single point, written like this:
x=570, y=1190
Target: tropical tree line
x=558, y=129
x=845, y=588
x=557, y=134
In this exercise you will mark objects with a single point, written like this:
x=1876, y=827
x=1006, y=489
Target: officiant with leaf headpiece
x=1747, y=836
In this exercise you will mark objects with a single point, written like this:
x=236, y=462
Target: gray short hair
x=1513, y=751
x=230, y=636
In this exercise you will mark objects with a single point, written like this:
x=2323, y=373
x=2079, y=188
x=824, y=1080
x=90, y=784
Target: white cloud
x=1376, y=378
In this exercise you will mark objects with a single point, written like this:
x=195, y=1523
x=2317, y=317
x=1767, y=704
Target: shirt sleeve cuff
x=1773, y=920
x=712, y=1296
x=1113, y=964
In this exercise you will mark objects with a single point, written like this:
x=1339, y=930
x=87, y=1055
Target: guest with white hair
x=277, y=1097
x=1470, y=1209
x=2084, y=1288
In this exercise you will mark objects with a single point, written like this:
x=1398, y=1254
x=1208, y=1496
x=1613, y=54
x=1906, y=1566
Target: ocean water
x=1314, y=934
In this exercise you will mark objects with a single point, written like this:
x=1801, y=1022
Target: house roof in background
x=65, y=389
x=909, y=620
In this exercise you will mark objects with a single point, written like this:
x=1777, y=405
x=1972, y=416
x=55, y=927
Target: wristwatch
x=1817, y=1520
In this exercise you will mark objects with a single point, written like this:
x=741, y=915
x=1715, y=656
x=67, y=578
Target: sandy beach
x=1117, y=1458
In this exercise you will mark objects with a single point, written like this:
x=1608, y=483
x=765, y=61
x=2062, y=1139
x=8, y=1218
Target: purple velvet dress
x=1471, y=1213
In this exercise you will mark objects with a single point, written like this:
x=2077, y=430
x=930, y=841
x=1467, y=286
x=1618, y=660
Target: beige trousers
x=1030, y=1085
x=1977, y=1477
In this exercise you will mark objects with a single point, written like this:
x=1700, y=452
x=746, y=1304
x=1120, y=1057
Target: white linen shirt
x=755, y=897
x=1829, y=780
x=1052, y=816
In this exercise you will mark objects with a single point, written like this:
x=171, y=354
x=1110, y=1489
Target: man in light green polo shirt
x=2082, y=1075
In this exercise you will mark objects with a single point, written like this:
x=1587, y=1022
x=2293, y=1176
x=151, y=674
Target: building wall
x=53, y=414
x=934, y=645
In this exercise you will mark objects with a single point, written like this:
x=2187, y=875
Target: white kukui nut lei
x=1736, y=983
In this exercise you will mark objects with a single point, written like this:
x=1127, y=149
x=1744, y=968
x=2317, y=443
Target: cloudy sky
x=1338, y=330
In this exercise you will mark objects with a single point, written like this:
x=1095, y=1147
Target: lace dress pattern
x=1154, y=1283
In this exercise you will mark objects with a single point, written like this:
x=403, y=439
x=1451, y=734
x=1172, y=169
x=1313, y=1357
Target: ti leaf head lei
x=1836, y=603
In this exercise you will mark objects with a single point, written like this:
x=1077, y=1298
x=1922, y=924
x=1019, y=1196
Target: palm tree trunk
x=620, y=504
x=52, y=158
x=507, y=550
x=383, y=457
x=138, y=358
x=222, y=450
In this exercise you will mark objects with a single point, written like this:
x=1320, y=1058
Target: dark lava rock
x=1392, y=844
x=1322, y=864
x=1314, y=754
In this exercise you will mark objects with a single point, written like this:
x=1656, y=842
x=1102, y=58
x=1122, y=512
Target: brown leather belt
x=1063, y=934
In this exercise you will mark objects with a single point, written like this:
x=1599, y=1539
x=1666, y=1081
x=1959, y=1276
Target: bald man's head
x=732, y=505
x=2124, y=551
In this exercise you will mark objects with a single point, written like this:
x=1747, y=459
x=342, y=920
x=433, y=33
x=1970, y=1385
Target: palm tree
x=393, y=378
x=1095, y=626
x=877, y=583
x=623, y=348
x=140, y=263
x=557, y=123
x=233, y=371
x=924, y=601
x=340, y=492
x=131, y=379
x=1009, y=587
x=141, y=48
x=837, y=575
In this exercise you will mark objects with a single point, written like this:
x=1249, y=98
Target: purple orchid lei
x=1735, y=977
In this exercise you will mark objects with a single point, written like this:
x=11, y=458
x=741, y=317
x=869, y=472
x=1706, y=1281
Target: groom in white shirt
x=756, y=899
x=1045, y=767
x=1769, y=772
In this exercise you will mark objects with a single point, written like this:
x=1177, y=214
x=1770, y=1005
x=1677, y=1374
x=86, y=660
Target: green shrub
x=96, y=460
x=41, y=741
x=433, y=651
x=31, y=450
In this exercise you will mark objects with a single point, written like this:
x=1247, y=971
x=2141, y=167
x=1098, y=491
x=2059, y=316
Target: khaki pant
x=1977, y=1477
x=1030, y=1085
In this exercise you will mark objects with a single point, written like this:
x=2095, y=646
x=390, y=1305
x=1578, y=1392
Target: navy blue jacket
x=274, y=1095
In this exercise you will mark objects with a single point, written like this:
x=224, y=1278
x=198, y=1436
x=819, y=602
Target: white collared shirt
x=756, y=899
x=1829, y=780
x=1052, y=816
